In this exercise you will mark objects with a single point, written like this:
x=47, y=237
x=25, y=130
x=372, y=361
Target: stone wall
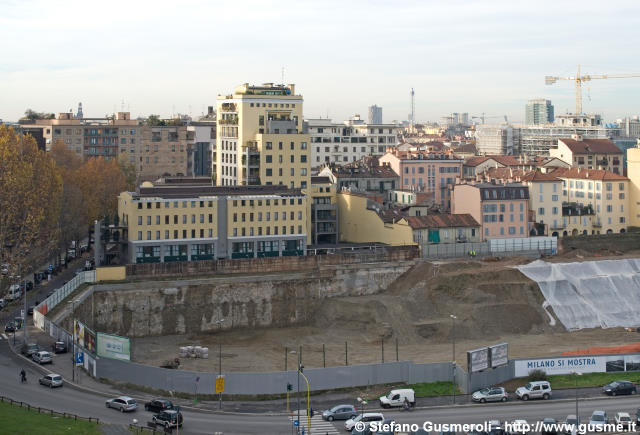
x=155, y=307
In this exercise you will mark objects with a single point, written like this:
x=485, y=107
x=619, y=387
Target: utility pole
x=453, y=358
x=73, y=339
x=219, y=323
x=299, y=368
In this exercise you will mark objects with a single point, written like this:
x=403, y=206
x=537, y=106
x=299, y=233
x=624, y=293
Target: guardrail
x=61, y=293
x=149, y=428
x=47, y=410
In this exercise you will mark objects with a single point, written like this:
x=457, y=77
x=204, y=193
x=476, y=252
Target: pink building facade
x=501, y=209
x=426, y=172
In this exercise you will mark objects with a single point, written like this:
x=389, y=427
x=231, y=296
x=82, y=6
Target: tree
x=129, y=171
x=30, y=195
x=32, y=115
x=64, y=157
x=154, y=121
x=102, y=181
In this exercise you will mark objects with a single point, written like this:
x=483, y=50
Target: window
x=139, y=220
x=554, y=197
x=158, y=220
x=269, y=158
x=269, y=172
x=541, y=211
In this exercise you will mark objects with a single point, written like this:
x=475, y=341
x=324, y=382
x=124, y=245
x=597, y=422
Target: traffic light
x=289, y=387
x=311, y=412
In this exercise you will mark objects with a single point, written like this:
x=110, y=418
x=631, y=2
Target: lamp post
x=362, y=401
x=576, y=379
x=453, y=356
x=300, y=368
x=219, y=323
x=73, y=339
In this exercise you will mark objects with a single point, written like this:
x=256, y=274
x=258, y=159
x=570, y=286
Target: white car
x=367, y=417
x=535, y=390
x=397, y=398
x=624, y=419
x=598, y=418
x=122, y=403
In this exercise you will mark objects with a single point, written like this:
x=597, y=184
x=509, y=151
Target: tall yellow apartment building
x=260, y=139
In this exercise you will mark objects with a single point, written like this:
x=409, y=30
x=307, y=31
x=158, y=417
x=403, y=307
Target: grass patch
x=432, y=389
x=17, y=420
x=559, y=382
x=592, y=379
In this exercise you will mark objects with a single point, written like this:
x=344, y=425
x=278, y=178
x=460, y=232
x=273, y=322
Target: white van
x=397, y=398
x=15, y=292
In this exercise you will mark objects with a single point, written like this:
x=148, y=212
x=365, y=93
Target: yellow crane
x=549, y=80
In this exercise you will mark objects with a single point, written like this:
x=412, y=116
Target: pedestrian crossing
x=318, y=425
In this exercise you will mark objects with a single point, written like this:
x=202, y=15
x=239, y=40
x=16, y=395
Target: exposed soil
x=493, y=303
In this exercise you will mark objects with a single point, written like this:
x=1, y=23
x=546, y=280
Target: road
x=67, y=399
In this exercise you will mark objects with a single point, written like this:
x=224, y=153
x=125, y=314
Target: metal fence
x=525, y=246
x=47, y=410
x=274, y=382
x=61, y=293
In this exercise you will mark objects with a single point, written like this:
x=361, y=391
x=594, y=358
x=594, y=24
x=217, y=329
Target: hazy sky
x=460, y=56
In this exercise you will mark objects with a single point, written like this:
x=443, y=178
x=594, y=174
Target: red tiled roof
x=475, y=161
x=589, y=146
x=442, y=221
x=539, y=176
x=584, y=174
x=466, y=148
x=506, y=160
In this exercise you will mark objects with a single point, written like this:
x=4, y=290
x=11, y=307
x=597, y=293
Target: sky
x=173, y=57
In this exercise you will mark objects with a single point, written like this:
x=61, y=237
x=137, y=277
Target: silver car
x=494, y=394
x=42, y=357
x=339, y=412
x=52, y=380
x=122, y=403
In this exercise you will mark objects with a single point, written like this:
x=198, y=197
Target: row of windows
x=493, y=208
x=431, y=170
x=282, y=105
x=267, y=231
x=184, y=234
x=292, y=171
x=252, y=202
x=269, y=145
x=554, y=210
x=487, y=218
x=167, y=219
x=579, y=184
x=269, y=158
x=251, y=216
x=337, y=130
x=177, y=204
x=512, y=231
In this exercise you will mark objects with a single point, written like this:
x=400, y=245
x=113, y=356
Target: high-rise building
x=539, y=111
x=375, y=114
x=260, y=139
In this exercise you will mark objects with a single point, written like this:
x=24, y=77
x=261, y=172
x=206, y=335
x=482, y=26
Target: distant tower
x=79, y=115
x=375, y=114
x=413, y=108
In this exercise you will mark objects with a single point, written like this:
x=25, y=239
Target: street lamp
x=219, y=323
x=362, y=401
x=576, y=379
x=453, y=358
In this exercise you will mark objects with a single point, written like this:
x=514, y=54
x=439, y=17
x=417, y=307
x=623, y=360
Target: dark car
x=59, y=347
x=339, y=412
x=30, y=309
x=158, y=405
x=29, y=349
x=386, y=427
x=10, y=327
x=619, y=387
x=638, y=416
x=168, y=418
x=549, y=426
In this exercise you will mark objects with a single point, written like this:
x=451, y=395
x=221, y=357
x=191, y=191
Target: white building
x=350, y=141
x=495, y=139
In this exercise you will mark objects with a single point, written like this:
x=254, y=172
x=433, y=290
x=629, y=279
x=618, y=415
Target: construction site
x=406, y=318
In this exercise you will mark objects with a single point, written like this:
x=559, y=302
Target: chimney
x=577, y=137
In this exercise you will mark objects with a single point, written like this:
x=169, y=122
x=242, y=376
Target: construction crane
x=483, y=117
x=549, y=80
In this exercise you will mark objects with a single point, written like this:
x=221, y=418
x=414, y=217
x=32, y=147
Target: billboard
x=567, y=365
x=478, y=359
x=84, y=337
x=499, y=354
x=114, y=346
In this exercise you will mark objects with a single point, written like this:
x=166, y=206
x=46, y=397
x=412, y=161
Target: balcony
x=597, y=224
x=576, y=209
x=286, y=126
x=253, y=180
x=229, y=107
x=228, y=120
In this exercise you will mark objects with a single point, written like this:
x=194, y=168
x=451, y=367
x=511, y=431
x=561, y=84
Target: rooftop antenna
x=282, y=76
x=413, y=108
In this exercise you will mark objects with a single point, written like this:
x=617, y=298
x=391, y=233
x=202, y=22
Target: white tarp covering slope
x=590, y=294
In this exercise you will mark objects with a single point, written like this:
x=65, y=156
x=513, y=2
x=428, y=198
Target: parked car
x=619, y=387
x=15, y=292
x=520, y=427
x=398, y=397
x=59, y=347
x=51, y=380
x=638, y=416
x=494, y=394
x=339, y=412
x=168, y=418
x=624, y=419
x=28, y=285
x=3, y=303
x=10, y=327
x=386, y=427
x=29, y=349
x=570, y=423
x=30, y=309
x=367, y=417
x=4, y=268
x=122, y=403
x=549, y=426
x=496, y=428
x=535, y=390
x=42, y=357
x=158, y=405
x=598, y=418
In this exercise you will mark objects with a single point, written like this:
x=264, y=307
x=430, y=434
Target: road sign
x=220, y=384
x=296, y=423
x=79, y=357
x=51, y=267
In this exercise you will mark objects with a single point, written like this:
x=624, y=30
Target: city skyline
x=459, y=57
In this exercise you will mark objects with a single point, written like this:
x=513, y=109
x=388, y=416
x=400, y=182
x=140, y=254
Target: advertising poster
x=478, y=359
x=499, y=354
x=113, y=346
